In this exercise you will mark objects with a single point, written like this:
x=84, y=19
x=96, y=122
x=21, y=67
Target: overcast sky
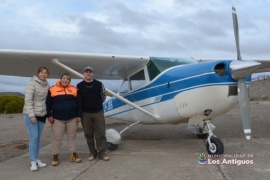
x=174, y=28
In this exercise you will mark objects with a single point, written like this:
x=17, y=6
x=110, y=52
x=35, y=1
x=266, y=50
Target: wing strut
x=156, y=117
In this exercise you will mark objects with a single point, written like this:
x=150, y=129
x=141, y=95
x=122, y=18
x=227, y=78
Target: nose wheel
x=215, y=146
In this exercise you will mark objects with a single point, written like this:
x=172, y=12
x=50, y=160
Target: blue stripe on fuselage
x=178, y=79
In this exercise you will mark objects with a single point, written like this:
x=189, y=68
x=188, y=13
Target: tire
x=218, y=147
x=111, y=146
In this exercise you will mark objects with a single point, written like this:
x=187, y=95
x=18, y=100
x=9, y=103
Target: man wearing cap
x=92, y=94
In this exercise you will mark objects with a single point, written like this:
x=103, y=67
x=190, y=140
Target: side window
x=124, y=87
x=137, y=80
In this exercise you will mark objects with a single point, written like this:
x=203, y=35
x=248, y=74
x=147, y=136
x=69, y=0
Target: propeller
x=240, y=70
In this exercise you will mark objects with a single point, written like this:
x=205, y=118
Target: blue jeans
x=34, y=131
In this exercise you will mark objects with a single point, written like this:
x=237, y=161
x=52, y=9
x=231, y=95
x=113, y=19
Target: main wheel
x=112, y=146
x=217, y=146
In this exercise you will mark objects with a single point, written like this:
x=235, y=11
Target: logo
x=226, y=159
x=202, y=158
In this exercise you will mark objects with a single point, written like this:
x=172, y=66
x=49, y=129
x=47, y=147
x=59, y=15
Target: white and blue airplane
x=156, y=90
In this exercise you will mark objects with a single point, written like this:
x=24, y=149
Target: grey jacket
x=35, y=97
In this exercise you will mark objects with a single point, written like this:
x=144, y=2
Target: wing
x=26, y=63
x=264, y=67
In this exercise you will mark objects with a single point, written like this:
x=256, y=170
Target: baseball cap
x=88, y=68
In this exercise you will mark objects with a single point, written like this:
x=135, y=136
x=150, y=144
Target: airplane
x=156, y=90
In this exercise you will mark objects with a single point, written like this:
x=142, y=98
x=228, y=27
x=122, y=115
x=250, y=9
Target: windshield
x=158, y=64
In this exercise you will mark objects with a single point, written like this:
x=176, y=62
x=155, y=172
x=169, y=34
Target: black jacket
x=92, y=95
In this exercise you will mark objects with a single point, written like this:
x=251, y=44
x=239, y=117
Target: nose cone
x=242, y=69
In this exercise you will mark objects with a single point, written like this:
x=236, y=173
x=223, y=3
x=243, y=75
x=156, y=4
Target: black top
x=41, y=118
x=92, y=95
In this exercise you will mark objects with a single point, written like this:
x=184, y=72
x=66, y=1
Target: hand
x=51, y=120
x=33, y=120
x=78, y=119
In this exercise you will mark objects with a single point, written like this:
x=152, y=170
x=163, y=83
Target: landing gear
x=111, y=146
x=203, y=136
x=204, y=130
x=114, y=137
x=216, y=146
x=213, y=145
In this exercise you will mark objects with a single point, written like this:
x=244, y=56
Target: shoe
x=55, y=160
x=91, y=157
x=33, y=166
x=74, y=158
x=105, y=158
x=40, y=164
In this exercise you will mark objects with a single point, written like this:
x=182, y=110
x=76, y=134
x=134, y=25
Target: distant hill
x=258, y=90
x=11, y=94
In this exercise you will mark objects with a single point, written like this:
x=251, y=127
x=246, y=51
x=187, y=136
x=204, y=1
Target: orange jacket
x=62, y=102
x=57, y=90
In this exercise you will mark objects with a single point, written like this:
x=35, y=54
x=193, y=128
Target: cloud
x=151, y=27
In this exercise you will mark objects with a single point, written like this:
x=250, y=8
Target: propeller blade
x=236, y=34
x=244, y=104
x=239, y=71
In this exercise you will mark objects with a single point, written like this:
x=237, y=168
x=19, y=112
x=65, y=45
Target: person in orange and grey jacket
x=63, y=112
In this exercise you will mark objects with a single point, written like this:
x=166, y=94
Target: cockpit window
x=124, y=87
x=137, y=80
x=133, y=82
x=158, y=64
x=220, y=69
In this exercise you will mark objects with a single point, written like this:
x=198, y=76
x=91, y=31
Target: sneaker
x=40, y=164
x=55, y=160
x=91, y=157
x=33, y=166
x=74, y=158
x=105, y=158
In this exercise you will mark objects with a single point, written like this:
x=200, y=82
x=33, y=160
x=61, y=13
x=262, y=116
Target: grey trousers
x=94, y=132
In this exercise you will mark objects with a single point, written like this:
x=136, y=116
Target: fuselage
x=179, y=93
